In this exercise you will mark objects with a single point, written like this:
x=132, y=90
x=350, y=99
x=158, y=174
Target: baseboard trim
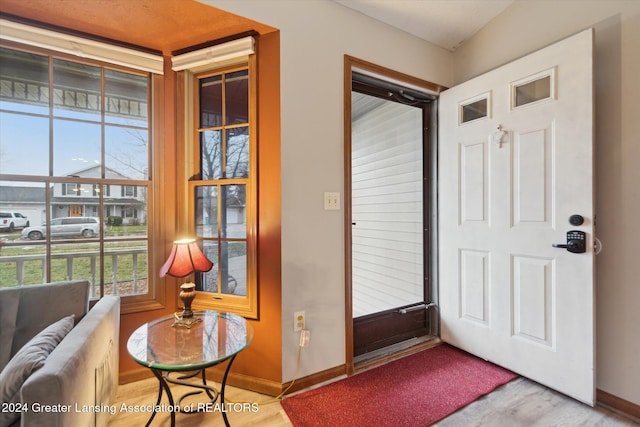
x=259, y=385
x=247, y=382
x=134, y=375
x=620, y=405
x=314, y=379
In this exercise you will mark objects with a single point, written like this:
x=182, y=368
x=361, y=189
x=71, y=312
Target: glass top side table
x=164, y=349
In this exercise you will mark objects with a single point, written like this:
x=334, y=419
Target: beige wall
x=315, y=35
x=530, y=25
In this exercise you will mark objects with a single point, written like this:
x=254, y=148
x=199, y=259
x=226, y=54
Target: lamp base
x=185, y=322
x=186, y=319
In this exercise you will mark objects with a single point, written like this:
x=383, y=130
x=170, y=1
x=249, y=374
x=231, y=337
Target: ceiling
x=169, y=25
x=445, y=23
x=160, y=25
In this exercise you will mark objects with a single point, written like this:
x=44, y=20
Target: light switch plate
x=331, y=201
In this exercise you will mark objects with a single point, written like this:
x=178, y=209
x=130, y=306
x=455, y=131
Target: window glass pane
x=126, y=269
x=211, y=154
x=237, y=153
x=71, y=222
x=24, y=144
x=206, y=211
x=65, y=189
x=22, y=265
x=533, y=91
x=76, y=90
x=211, y=102
x=76, y=261
x=24, y=82
x=127, y=153
x=125, y=210
x=233, y=268
x=76, y=148
x=237, y=97
x=22, y=206
x=474, y=110
x=126, y=98
x=208, y=282
x=233, y=219
x=230, y=268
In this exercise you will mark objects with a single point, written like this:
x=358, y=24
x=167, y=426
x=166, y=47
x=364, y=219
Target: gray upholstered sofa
x=66, y=367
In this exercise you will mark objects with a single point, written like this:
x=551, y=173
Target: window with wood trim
x=71, y=129
x=222, y=190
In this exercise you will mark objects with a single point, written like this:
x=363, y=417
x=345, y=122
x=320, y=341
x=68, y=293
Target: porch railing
x=136, y=284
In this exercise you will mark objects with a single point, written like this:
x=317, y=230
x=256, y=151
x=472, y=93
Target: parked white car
x=9, y=221
x=84, y=226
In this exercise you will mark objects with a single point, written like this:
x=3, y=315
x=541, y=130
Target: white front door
x=515, y=171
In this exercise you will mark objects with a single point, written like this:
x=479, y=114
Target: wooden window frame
x=154, y=298
x=189, y=170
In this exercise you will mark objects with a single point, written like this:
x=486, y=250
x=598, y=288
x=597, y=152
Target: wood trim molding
x=618, y=404
x=247, y=382
x=314, y=379
x=352, y=63
x=369, y=67
x=134, y=375
x=348, y=269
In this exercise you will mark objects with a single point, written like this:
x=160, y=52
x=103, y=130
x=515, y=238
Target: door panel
x=511, y=173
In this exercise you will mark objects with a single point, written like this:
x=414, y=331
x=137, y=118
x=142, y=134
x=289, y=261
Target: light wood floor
x=519, y=403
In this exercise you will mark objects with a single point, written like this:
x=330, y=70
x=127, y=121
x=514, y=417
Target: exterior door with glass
x=389, y=210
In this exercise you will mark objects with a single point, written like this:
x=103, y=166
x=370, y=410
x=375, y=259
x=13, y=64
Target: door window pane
x=474, y=110
x=532, y=91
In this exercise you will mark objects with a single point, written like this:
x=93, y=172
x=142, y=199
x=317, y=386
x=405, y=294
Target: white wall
x=530, y=25
x=315, y=35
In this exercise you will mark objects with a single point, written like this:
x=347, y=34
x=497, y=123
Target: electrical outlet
x=298, y=321
x=305, y=335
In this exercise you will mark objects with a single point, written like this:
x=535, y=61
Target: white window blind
x=80, y=47
x=221, y=54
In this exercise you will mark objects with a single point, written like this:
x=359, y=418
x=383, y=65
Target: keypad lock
x=576, y=242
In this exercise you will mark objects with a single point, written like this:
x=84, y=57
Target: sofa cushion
x=41, y=305
x=8, y=317
x=28, y=359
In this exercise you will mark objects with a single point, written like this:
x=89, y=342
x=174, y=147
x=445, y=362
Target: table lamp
x=186, y=258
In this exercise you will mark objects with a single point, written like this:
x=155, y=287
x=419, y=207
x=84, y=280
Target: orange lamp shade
x=184, y=259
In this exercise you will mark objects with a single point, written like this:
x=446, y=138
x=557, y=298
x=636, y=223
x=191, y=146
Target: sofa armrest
x=80, y=376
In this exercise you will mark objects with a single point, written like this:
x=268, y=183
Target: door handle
x=576, y=242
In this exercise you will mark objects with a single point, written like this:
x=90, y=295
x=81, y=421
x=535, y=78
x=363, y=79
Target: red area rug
x=417, y=390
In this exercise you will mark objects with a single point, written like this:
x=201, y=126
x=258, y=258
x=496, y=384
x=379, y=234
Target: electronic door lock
x=576, y=242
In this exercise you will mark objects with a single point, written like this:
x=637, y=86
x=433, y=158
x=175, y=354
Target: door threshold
x=394, y=352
